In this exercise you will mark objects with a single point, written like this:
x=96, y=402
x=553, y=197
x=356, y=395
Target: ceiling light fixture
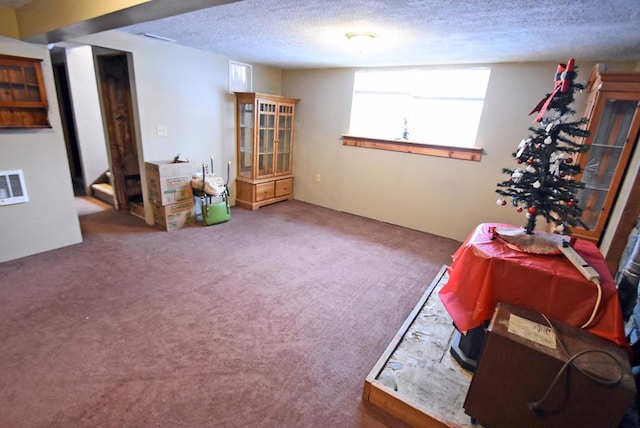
x=361, y=40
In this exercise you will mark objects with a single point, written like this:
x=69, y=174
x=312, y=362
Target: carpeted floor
x=273, y=319
x=88, y=205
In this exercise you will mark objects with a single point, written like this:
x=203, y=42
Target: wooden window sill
x=463, y=153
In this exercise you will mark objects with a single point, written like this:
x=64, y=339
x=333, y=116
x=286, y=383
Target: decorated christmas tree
x=543, y=183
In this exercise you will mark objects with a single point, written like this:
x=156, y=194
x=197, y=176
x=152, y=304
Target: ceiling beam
x=51, y=21
x=40, y=17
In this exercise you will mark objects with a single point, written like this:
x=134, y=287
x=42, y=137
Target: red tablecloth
x=485, y=271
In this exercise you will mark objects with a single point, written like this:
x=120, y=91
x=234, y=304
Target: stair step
x=137, y=210
x=103, y=191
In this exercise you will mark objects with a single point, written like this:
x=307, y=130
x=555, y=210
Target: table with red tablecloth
x=485, y=271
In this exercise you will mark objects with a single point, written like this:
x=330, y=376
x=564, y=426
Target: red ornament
x=532, y=210
x=519, y=209
x=571, y=202
x=569, y=160
x=529, y=161
x=562, y=174
x=519, y=160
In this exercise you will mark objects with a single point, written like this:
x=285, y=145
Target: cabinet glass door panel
x=606, y=159
x=591, y=200
x=613, y=125
x=266, y=138
x=616, y=120
x=599, y=170
x=284, y=144
x=20, y=84
x=31, y=83
x=265, y=152
x=245, y=129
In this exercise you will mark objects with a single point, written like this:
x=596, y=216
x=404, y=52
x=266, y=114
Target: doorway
x=61, y=79
x=94, y=88
x=119, y=121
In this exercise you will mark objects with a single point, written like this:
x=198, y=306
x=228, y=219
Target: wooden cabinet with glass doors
x=264, y=149
x=23, y=98
x=613, y=110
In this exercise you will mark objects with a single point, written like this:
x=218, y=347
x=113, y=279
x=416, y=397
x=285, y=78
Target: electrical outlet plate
x=161, y=130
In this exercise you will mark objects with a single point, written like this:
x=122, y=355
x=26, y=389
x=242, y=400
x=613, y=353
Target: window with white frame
x=240, y=77
x=434, y=106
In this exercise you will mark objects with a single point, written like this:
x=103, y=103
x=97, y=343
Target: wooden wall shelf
x=23, y=98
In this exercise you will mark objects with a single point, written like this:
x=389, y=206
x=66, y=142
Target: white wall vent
x=12, y=188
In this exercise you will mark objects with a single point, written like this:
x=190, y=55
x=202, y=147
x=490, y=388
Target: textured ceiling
x=293, y=33
x=311, y=33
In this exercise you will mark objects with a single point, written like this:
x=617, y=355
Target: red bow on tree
x=562, y=78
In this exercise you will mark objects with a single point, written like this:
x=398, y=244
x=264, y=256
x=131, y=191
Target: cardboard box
x=174, y=216
x=169, y=182
x=525, y=378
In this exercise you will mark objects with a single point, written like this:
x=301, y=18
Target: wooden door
x=118, y=113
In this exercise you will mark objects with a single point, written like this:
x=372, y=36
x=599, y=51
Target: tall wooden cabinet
x=613, y=110
x=264, y=148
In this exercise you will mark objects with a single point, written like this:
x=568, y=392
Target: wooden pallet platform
x=417, y=379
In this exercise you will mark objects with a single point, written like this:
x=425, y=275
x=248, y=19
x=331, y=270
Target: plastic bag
x=213, y=185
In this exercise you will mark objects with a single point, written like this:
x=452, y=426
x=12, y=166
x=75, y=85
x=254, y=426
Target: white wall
x=49, y=220
x=442, y=196
x=186, y=91
x=85, y=100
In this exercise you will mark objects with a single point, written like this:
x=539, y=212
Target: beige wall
x=186, y=91
x=8, y=23
x=40, y=16
x=183, y=89
x=442, y=196
x=49, y=219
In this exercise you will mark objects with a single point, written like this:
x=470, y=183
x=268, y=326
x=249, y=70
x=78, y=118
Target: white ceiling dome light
x=361, y=40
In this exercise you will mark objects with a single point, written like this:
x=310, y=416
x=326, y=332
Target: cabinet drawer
x=284, y=187
x=265, y=191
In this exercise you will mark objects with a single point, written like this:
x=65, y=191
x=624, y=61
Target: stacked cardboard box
x=174, y=216
x=169, y=186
